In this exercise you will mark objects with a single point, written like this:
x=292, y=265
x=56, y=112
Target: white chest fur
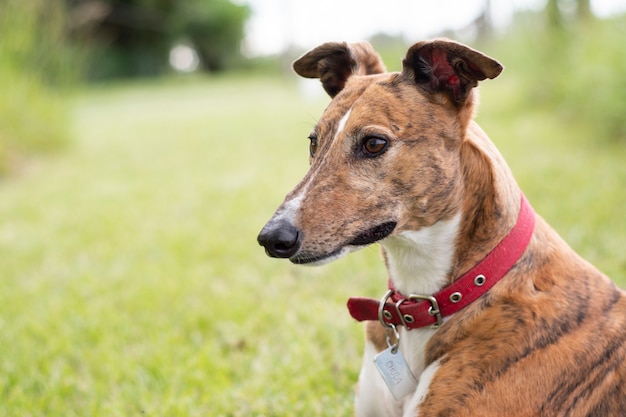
x=419, y=263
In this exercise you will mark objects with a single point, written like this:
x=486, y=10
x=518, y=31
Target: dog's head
x=385, y=154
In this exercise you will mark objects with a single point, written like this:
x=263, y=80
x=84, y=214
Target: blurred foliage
x=215, y=28
x=575, y=71
x=391, y=48
x=36, y=66
x=48, y=46
x=132, y=38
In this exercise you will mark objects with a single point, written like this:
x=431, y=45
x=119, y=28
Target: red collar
x=417, y=310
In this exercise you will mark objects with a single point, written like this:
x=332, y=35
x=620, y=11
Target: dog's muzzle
x=280, y=239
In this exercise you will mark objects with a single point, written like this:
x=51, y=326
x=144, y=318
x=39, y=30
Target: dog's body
x=396, y=158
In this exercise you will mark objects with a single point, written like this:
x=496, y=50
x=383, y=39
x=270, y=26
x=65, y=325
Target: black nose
x=280, y=239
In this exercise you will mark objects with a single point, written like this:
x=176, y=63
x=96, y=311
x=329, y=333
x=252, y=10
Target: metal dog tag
x=395, y=371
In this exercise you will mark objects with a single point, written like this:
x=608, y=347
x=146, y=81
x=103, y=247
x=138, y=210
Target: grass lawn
x=132, y=281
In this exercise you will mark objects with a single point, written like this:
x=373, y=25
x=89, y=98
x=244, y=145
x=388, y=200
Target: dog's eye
x=374, y=146
x=312, y=145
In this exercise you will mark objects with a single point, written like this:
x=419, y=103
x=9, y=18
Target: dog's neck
x=420, y=262
x=425, y=261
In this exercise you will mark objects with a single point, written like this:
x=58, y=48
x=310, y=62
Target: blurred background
x=565, y=48
x=144, y=143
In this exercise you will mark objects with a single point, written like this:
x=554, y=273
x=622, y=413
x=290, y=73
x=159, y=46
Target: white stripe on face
x=291, y=207
x=342, y=122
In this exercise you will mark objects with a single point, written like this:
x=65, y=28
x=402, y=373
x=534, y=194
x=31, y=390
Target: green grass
x=132, y=281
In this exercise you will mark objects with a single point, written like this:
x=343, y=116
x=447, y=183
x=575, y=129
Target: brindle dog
x=396, y=158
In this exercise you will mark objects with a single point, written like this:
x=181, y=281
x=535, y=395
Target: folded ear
x=444, y=66
x=334, y=62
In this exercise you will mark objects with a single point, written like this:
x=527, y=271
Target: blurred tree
x=484, y=22
x=583, y=9
x=553, y=13
x=581, y=66
x=134, y=37
x=36, y=66
x=214, y=27
x=557, y=12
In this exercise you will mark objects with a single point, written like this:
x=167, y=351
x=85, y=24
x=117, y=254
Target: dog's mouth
x=368, y=237
x=374, y=234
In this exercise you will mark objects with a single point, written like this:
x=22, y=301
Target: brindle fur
x=548, y=339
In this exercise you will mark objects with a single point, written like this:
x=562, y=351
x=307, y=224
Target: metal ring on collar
x=381, y=309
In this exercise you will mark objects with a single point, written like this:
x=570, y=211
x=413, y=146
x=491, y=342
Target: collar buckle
x=433, y=310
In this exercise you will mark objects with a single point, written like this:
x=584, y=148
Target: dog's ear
x=444, y=66
x=333, y=63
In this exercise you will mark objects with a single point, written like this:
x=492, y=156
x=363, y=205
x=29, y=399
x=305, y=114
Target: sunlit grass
x=132, y=281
